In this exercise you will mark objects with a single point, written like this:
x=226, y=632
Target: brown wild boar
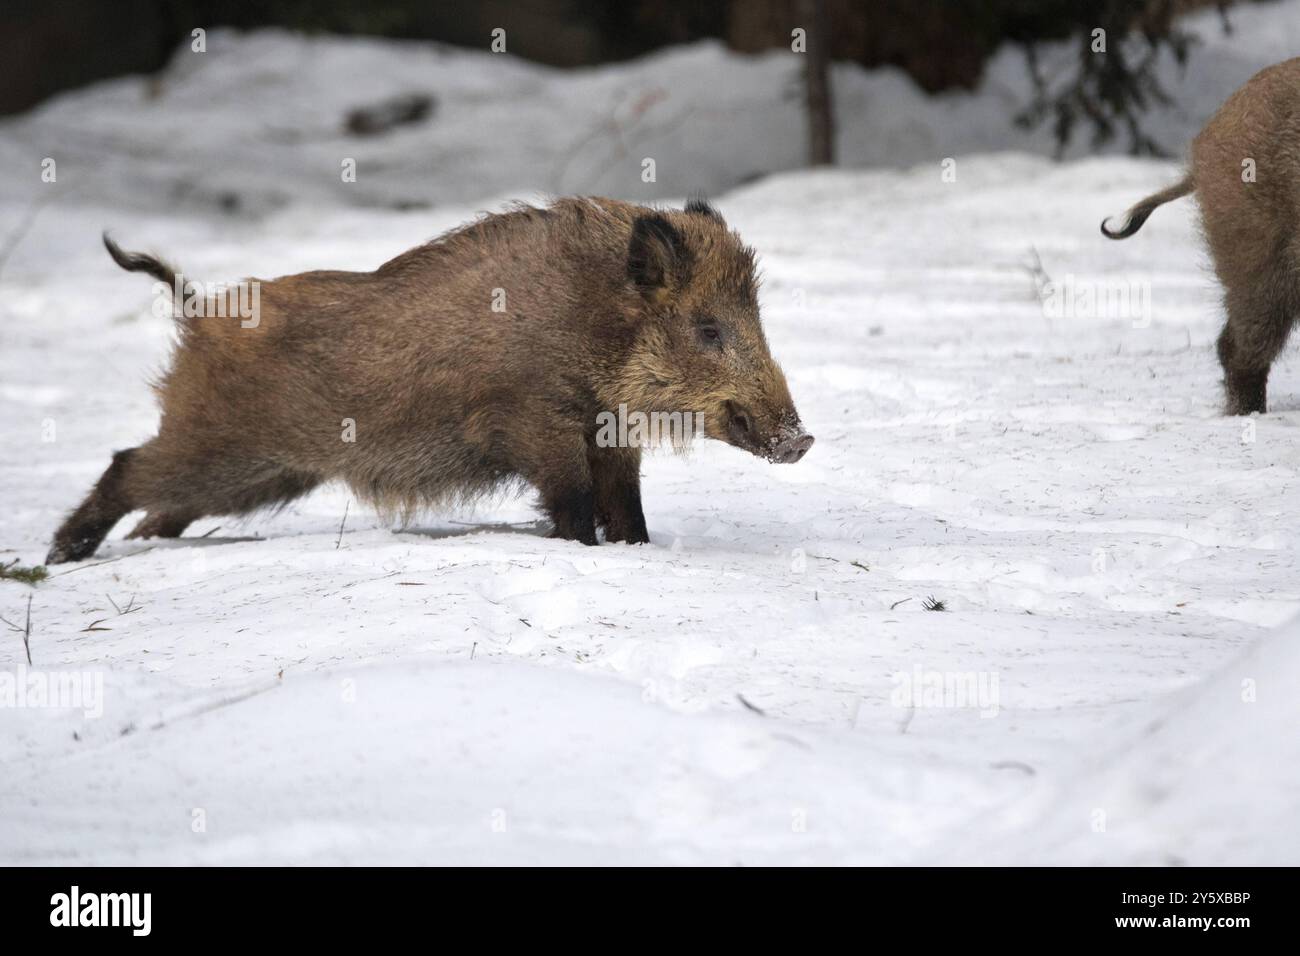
x=1245, y=171
x=409, y=386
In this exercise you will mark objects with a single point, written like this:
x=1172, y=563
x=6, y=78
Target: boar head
x=701, y=347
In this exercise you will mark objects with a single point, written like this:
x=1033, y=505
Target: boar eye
x=709, y=332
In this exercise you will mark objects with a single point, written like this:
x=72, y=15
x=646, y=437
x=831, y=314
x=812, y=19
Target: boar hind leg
x=84, y=529
x=1259, y=321
x=616, y=479
x=178, y=489
x=163, y=524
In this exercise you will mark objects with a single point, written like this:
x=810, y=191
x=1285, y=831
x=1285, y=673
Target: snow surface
x=1118, y=556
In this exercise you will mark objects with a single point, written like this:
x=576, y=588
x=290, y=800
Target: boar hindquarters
x=1245, y=172
x=1246, y=166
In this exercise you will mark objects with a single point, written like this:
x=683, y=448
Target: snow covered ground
x=1014, y=416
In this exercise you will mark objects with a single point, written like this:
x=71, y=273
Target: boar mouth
x=786, y=446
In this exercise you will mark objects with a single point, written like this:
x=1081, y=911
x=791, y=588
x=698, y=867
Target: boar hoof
x=626, y=536
x=566, y=534
x=574, y=516
x=63, y=552
x=1246, y=392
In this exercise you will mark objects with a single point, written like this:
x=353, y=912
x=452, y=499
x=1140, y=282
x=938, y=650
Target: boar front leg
x=616, y=476
x=573, y=512
x=556, y=465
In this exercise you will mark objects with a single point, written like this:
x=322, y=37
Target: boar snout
x=790, y=450
x=785, y=444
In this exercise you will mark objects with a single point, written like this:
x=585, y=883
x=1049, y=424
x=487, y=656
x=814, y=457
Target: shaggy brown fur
x=1253, y=228
x=606, y=303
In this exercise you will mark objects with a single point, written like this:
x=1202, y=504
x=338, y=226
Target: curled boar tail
x=1137, y=215
x=139, y=262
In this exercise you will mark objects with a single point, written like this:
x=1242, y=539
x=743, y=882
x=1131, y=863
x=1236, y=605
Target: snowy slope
x=1208, y=776
x=314, y=688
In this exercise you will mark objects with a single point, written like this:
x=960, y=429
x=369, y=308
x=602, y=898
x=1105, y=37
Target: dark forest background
x=52, y=45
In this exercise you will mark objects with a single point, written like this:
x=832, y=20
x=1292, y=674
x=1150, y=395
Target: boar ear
x=657, y=257
x=700, y=206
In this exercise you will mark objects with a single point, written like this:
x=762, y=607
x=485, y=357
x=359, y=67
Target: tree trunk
x=817, y=82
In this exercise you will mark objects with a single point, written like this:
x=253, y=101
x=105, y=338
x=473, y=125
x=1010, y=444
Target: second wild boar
x=1245, y=172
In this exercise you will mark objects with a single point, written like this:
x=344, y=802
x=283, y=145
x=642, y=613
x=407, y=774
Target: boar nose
x=792, y=449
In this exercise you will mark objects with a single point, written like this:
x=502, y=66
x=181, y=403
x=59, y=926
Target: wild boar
x=484, y=358
x=1245, y=172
